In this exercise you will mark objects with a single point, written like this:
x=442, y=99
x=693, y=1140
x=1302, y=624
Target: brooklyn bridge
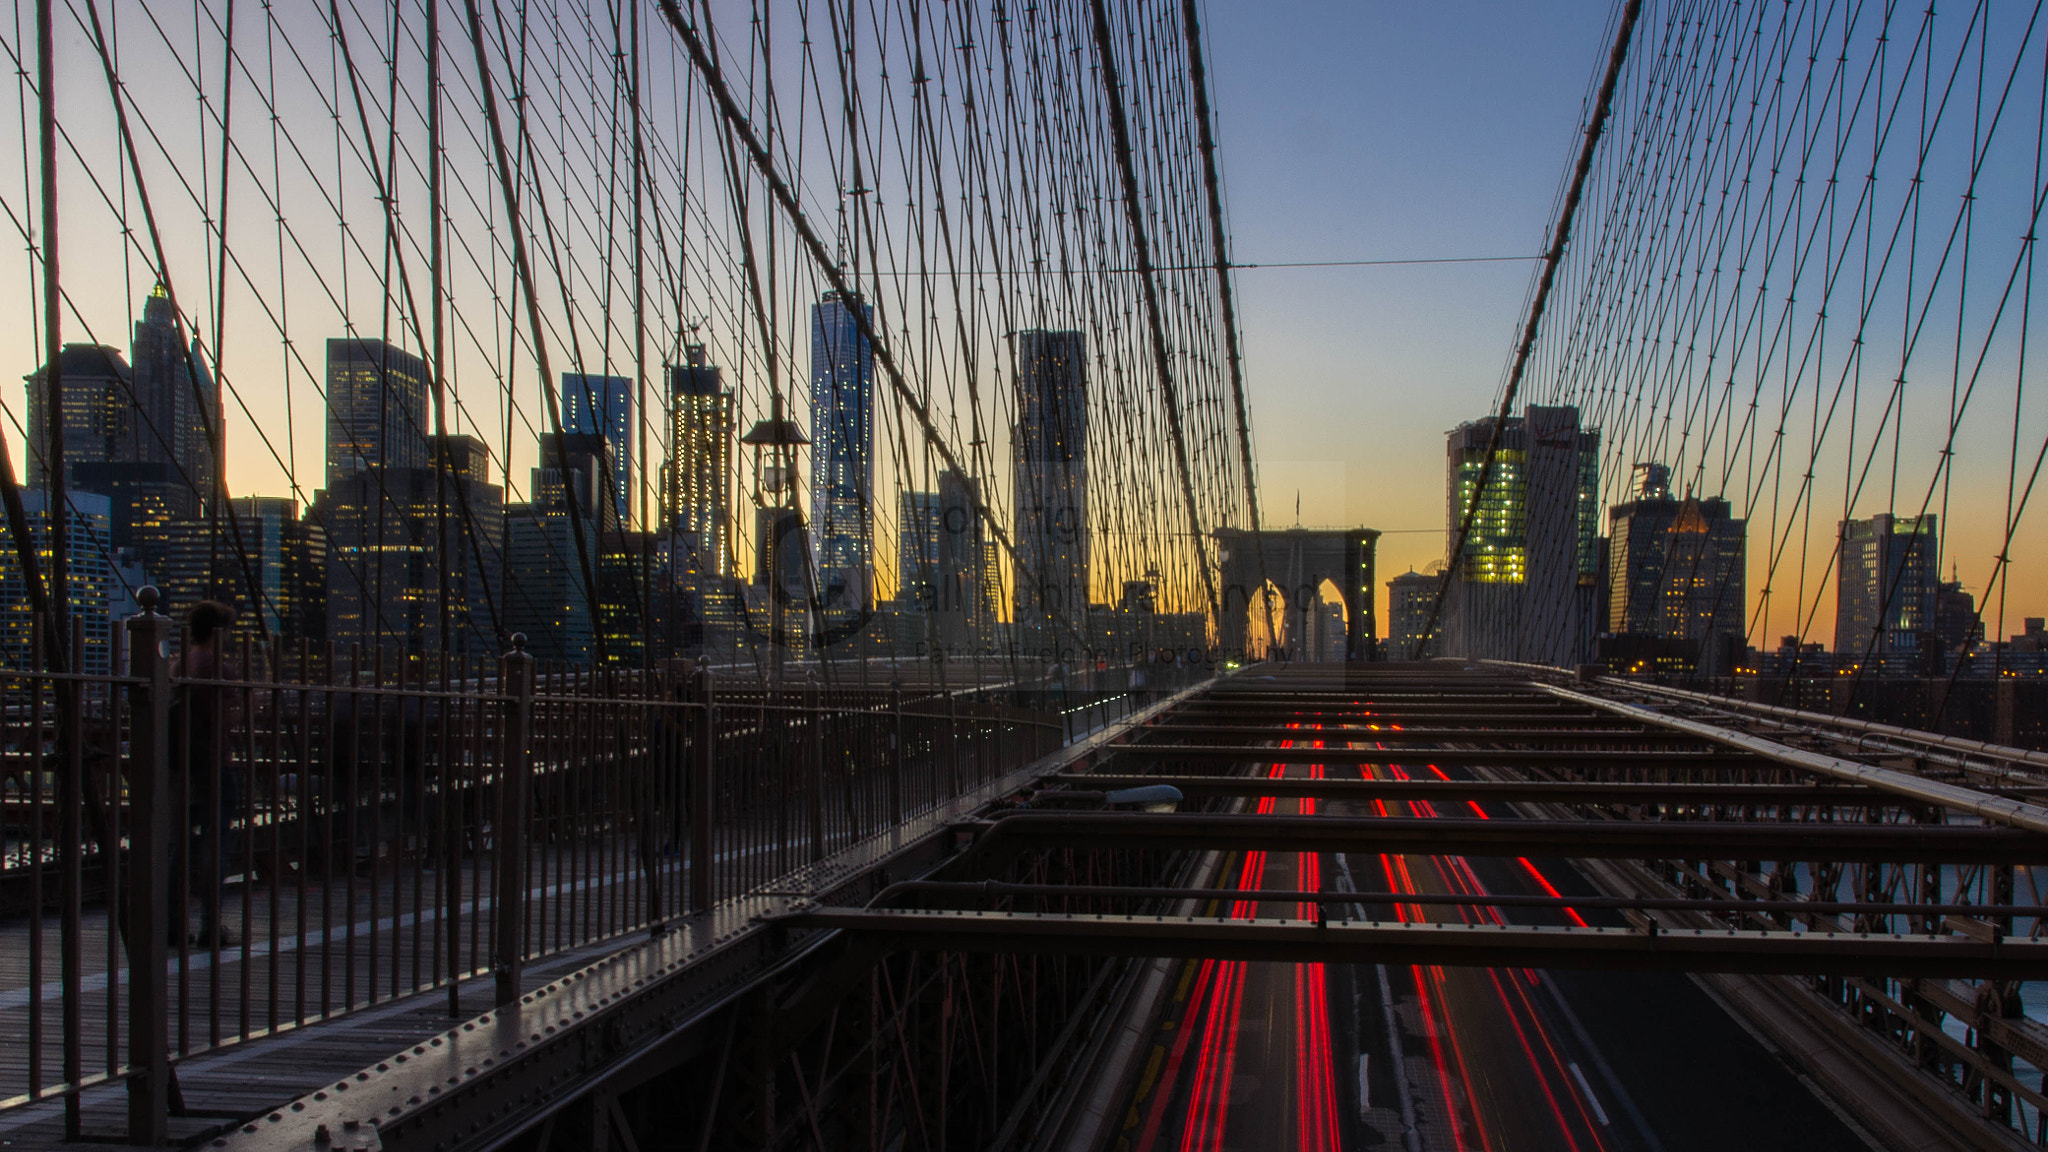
x=695, y=575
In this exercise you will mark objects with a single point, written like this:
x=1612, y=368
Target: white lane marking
x=1586, y=1089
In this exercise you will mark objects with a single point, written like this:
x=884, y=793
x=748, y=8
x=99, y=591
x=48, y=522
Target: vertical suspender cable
x=737, y=123
x=438, y=347
x=1198, y=81
x=1559, y=235
x=1121, y=133
x=58, y=629
x=523, y=268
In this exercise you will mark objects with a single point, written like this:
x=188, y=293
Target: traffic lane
x=1663, y=1053
x=1487, y=1065
x=1494, y=1071
x=1248, y=1063
x=1669, y=1049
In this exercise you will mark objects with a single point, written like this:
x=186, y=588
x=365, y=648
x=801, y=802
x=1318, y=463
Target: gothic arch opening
x=1267, y=628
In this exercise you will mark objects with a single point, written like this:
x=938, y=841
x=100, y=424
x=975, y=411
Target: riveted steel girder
x=1455, y=944
x=1529, y=791
x=1382, y=734
x=1602, y=757
x=1438, y=836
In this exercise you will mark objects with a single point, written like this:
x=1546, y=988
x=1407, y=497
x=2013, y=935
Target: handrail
x=1960, y=744
x=2003, y=810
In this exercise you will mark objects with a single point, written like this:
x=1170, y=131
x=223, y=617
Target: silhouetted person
x=203, y=715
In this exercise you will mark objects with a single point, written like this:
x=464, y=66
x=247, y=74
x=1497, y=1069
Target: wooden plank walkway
x=307, y=954
x=245, y=1079
x=351, y=964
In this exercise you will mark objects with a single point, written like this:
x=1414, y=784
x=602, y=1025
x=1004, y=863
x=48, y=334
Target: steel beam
x=1788, y=906
x=1004, y=838
x=1462, y=945
x=1603, y=757
x=1531, y=791
x=1383, y=734
x=1481, y=719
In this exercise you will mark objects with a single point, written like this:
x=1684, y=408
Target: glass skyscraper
x=1885, y=585
x=143, y=437
x=1529, y=580
x=603, y=406
x=842, y=455
x=91, y=579
x=696, y=492
x=96, y=410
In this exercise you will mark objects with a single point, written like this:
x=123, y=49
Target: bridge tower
x=1297, y=561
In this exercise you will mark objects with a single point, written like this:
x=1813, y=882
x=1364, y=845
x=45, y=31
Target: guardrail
x=193, y=861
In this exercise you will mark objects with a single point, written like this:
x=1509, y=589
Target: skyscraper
x=1956, y=624
x=376, y=409
x=782, y=580
x=780, y=554
x=697, y=490
x=392, y=534
x=97, y=386
x=103, y=453
x=177, y=408
x=547, y=595
x=917, y=550
x=90, y=580
x=603, y=406
x=1675, y=574
x=1529, y=582
x=277, y=579
x=962, y=611
x=143, y=436
x=1409, y=597
x=842, y=456
x=290, y=558
x=631, y=614
x=1885, y=586
x=1050, y=446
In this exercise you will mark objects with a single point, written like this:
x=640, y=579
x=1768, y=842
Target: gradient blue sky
x=1368, y=130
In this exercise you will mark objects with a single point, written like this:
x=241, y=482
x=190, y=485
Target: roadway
x=1255, y=1055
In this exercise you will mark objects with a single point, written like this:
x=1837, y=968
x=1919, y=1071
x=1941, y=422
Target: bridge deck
x=330, y=977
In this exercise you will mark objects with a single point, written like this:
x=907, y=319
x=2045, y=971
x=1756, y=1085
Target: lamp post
x=775, y=442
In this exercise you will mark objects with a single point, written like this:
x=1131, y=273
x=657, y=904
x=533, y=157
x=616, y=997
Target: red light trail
x=1214, y=1025
x=1574, y=1121
x=1252, y=1059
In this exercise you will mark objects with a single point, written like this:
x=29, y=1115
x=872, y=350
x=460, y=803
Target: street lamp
x=775, y=442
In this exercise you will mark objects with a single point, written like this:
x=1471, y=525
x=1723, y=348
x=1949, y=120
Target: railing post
x=515, y=680
x=814, y=787
x=150, y=916
x=702, y=759
x=2005, y=698
x=896, y=750
x=953, y=776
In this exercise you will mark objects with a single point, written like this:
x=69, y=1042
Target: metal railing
x=292, y=834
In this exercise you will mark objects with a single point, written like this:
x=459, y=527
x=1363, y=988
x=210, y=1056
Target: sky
x=1356, y=131
x=1383, y=131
